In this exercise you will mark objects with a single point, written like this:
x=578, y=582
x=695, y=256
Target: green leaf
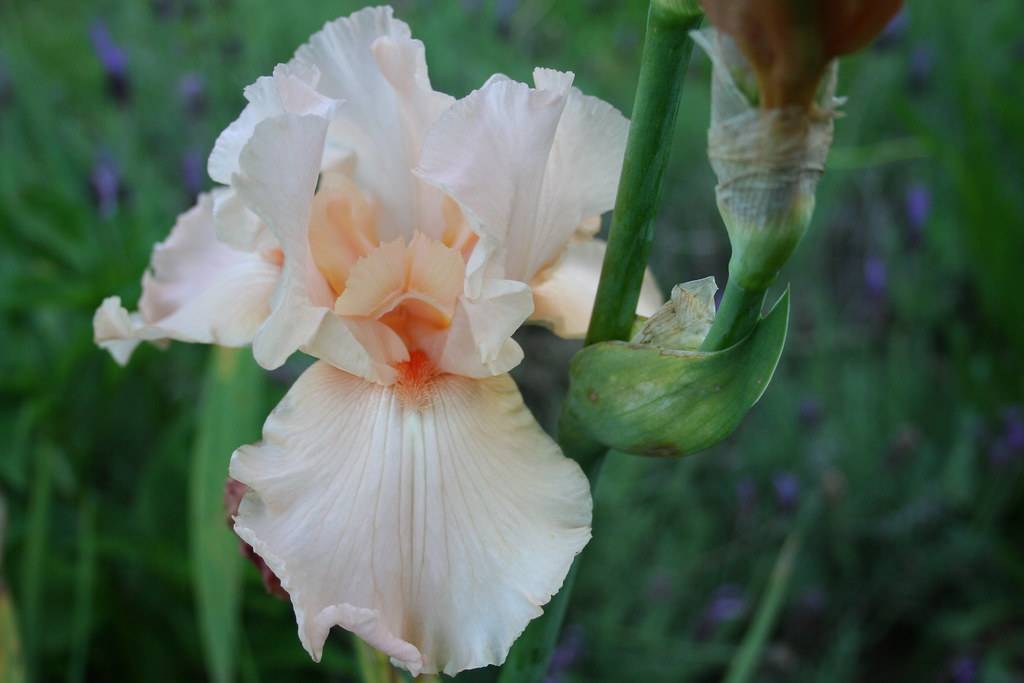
x=85, y=580
x=744, y=665
x=12, y=665
x=638, y=398
x=12, y=668
x=230, y=414
x=34, y=560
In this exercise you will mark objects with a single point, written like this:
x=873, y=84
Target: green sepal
x=637, y=398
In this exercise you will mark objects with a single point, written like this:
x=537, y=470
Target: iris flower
x=402, y=490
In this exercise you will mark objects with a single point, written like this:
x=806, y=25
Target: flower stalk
x=666, y=55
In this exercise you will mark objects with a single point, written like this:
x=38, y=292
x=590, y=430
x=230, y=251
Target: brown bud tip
x=790, y=42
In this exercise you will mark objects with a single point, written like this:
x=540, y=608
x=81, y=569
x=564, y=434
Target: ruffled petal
x=197, y=290
x=236, y=225
x=115, y=329
x=479, y=341
x=291, y=89
x=563, y=295
x=529, y=165
x=280, y=166
x=370, y=62
x=433, y=528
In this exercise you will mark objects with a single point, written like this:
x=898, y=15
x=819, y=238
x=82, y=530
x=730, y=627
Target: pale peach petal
x=196, y=290
x=424, y=277
x=436, y=276
x=280, y=166
x=528, y=165
x=115, y=329
x=369, y=61
x=236, y=225
x=291, y=89
x=377, y=282
x=434, y=529
x=563, y=294
x=489, y=152
x=342, y=228
x=479, y=342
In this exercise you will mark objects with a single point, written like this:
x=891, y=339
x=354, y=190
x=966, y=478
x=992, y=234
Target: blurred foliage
x=897, y=401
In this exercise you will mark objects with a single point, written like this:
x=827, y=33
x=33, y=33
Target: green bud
x=646, y=398
x=767, y=161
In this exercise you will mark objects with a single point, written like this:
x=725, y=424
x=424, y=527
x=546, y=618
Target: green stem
x=666, y=54
x=735, y=318
x=374, y=666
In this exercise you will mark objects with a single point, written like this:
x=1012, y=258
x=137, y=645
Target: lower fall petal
x=434, y=527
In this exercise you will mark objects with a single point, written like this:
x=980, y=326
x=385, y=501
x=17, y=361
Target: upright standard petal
x=563, y=294
x=280, y=166
x=529, y=165
x=432, y=517
x=197, y=290
x=370, y=62
x=291, y=89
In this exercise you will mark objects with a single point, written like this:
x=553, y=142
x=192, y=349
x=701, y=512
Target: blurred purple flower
x=746, y=495
x=113, y=60
x=876, y=277
x=1013, y=428
x=809, y=412
x=105, y=185
x=918, y=207
x=963, y=669
x=193, y=173
x=813, y=600
x=894, y=32
x=728, y=603
x=566, y=654
x=999, y=453
x=503, y=11
x=787, y=490
x=192, y=93
x=919, y=72
x=1009, y=444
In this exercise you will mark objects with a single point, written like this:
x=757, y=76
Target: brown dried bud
x=791, y=42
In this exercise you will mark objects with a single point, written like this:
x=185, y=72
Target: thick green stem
x=735, y=318
x=666, y=54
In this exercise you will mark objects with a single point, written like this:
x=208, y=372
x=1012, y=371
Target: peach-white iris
x=402, y=490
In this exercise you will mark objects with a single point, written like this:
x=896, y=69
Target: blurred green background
x=892, y=435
